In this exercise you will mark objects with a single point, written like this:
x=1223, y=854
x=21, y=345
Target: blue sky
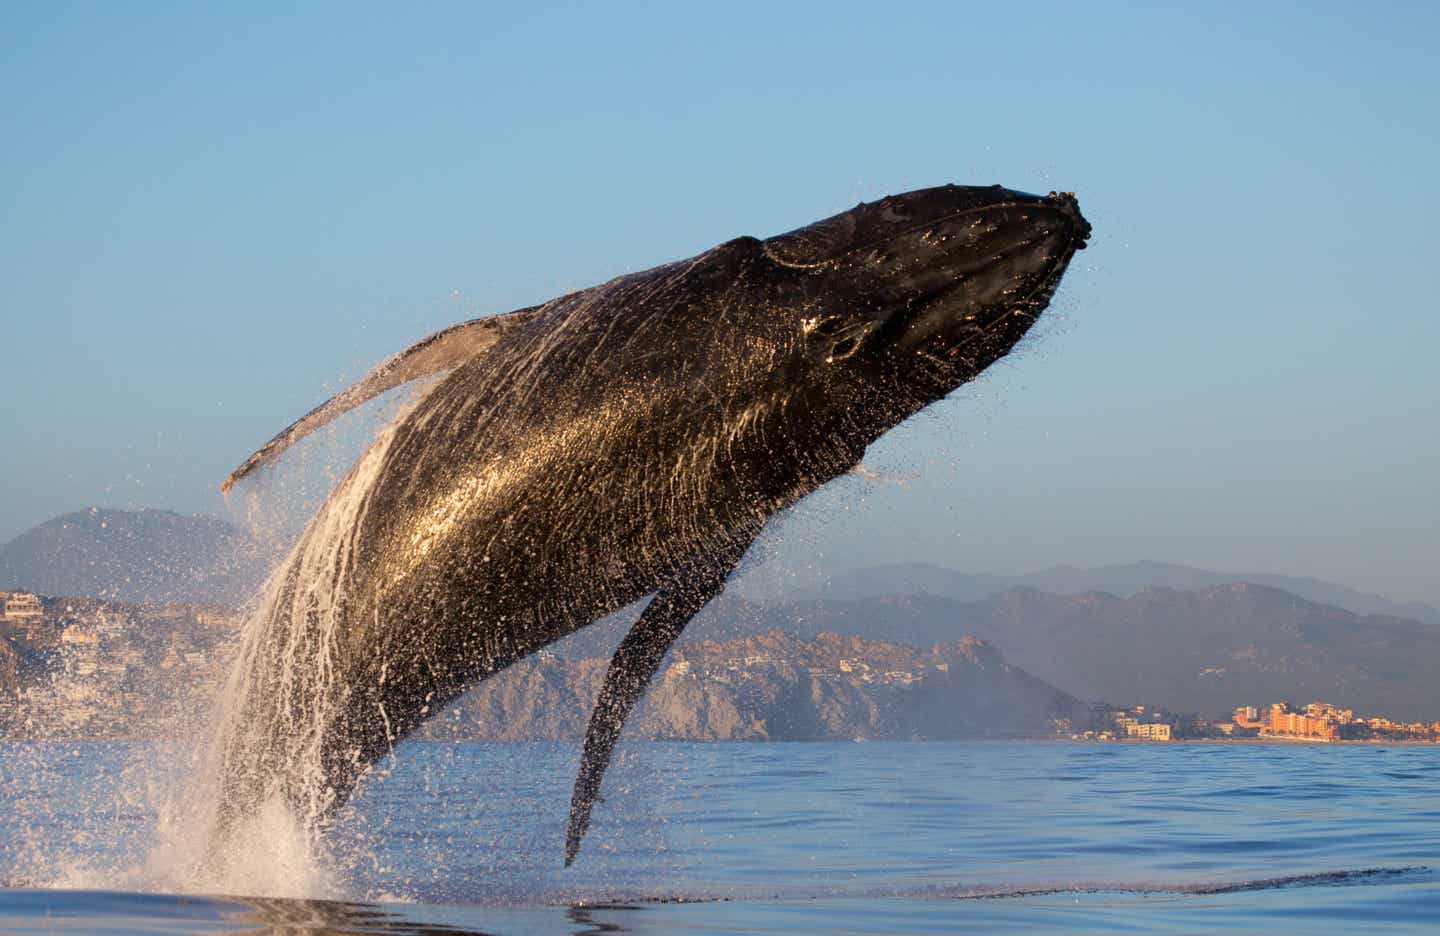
x=211, y=218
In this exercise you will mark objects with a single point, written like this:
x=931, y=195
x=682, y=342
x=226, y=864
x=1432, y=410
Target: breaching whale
x=623, y=441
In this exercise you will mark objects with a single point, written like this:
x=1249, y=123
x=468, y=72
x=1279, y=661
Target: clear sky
x=212, y=216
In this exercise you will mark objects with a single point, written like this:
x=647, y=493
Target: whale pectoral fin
x=631, y=669
x=442, y=351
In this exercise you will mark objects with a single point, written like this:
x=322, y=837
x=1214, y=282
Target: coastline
x=1139, y=742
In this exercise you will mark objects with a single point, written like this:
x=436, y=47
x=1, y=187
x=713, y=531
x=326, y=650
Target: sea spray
x=230, y=803
x=251, y=818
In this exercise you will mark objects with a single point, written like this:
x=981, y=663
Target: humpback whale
x=623, y=441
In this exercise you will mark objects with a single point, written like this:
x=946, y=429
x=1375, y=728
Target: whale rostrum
x=623, y=441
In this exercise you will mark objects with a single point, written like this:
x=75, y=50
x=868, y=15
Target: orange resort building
x=1281, y=722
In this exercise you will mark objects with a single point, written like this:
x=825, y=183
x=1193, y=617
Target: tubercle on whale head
x=930, y=286
x=878, y=223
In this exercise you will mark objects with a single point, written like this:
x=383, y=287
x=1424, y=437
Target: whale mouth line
x=966, y=329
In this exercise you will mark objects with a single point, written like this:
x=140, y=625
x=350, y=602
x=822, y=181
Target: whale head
x=924, y=290
x=938, y=281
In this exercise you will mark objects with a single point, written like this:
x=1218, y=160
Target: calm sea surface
x=782, y=838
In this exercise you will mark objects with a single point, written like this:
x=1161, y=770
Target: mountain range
x=913, y=578
x=159, y=556
x=140, y=557
x=1151, y=632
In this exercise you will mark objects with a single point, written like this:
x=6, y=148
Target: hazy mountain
x=135, y=556
x=1125, y=580
x=1144, y=632
x=1204, y=650
x=158, y=555
x=776, y=687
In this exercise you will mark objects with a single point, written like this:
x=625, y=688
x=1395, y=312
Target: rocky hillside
x=146, y=556
x=1205, y=650
x=922, y=578
x=777, y=687
x=9, y=669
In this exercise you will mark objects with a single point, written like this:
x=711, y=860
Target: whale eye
x=844, y=348
x=825, y=327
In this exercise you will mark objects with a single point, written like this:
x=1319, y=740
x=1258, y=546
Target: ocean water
x=773, y=838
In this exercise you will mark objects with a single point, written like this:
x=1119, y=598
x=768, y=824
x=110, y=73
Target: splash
x=238, y=804
x=250, y=819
